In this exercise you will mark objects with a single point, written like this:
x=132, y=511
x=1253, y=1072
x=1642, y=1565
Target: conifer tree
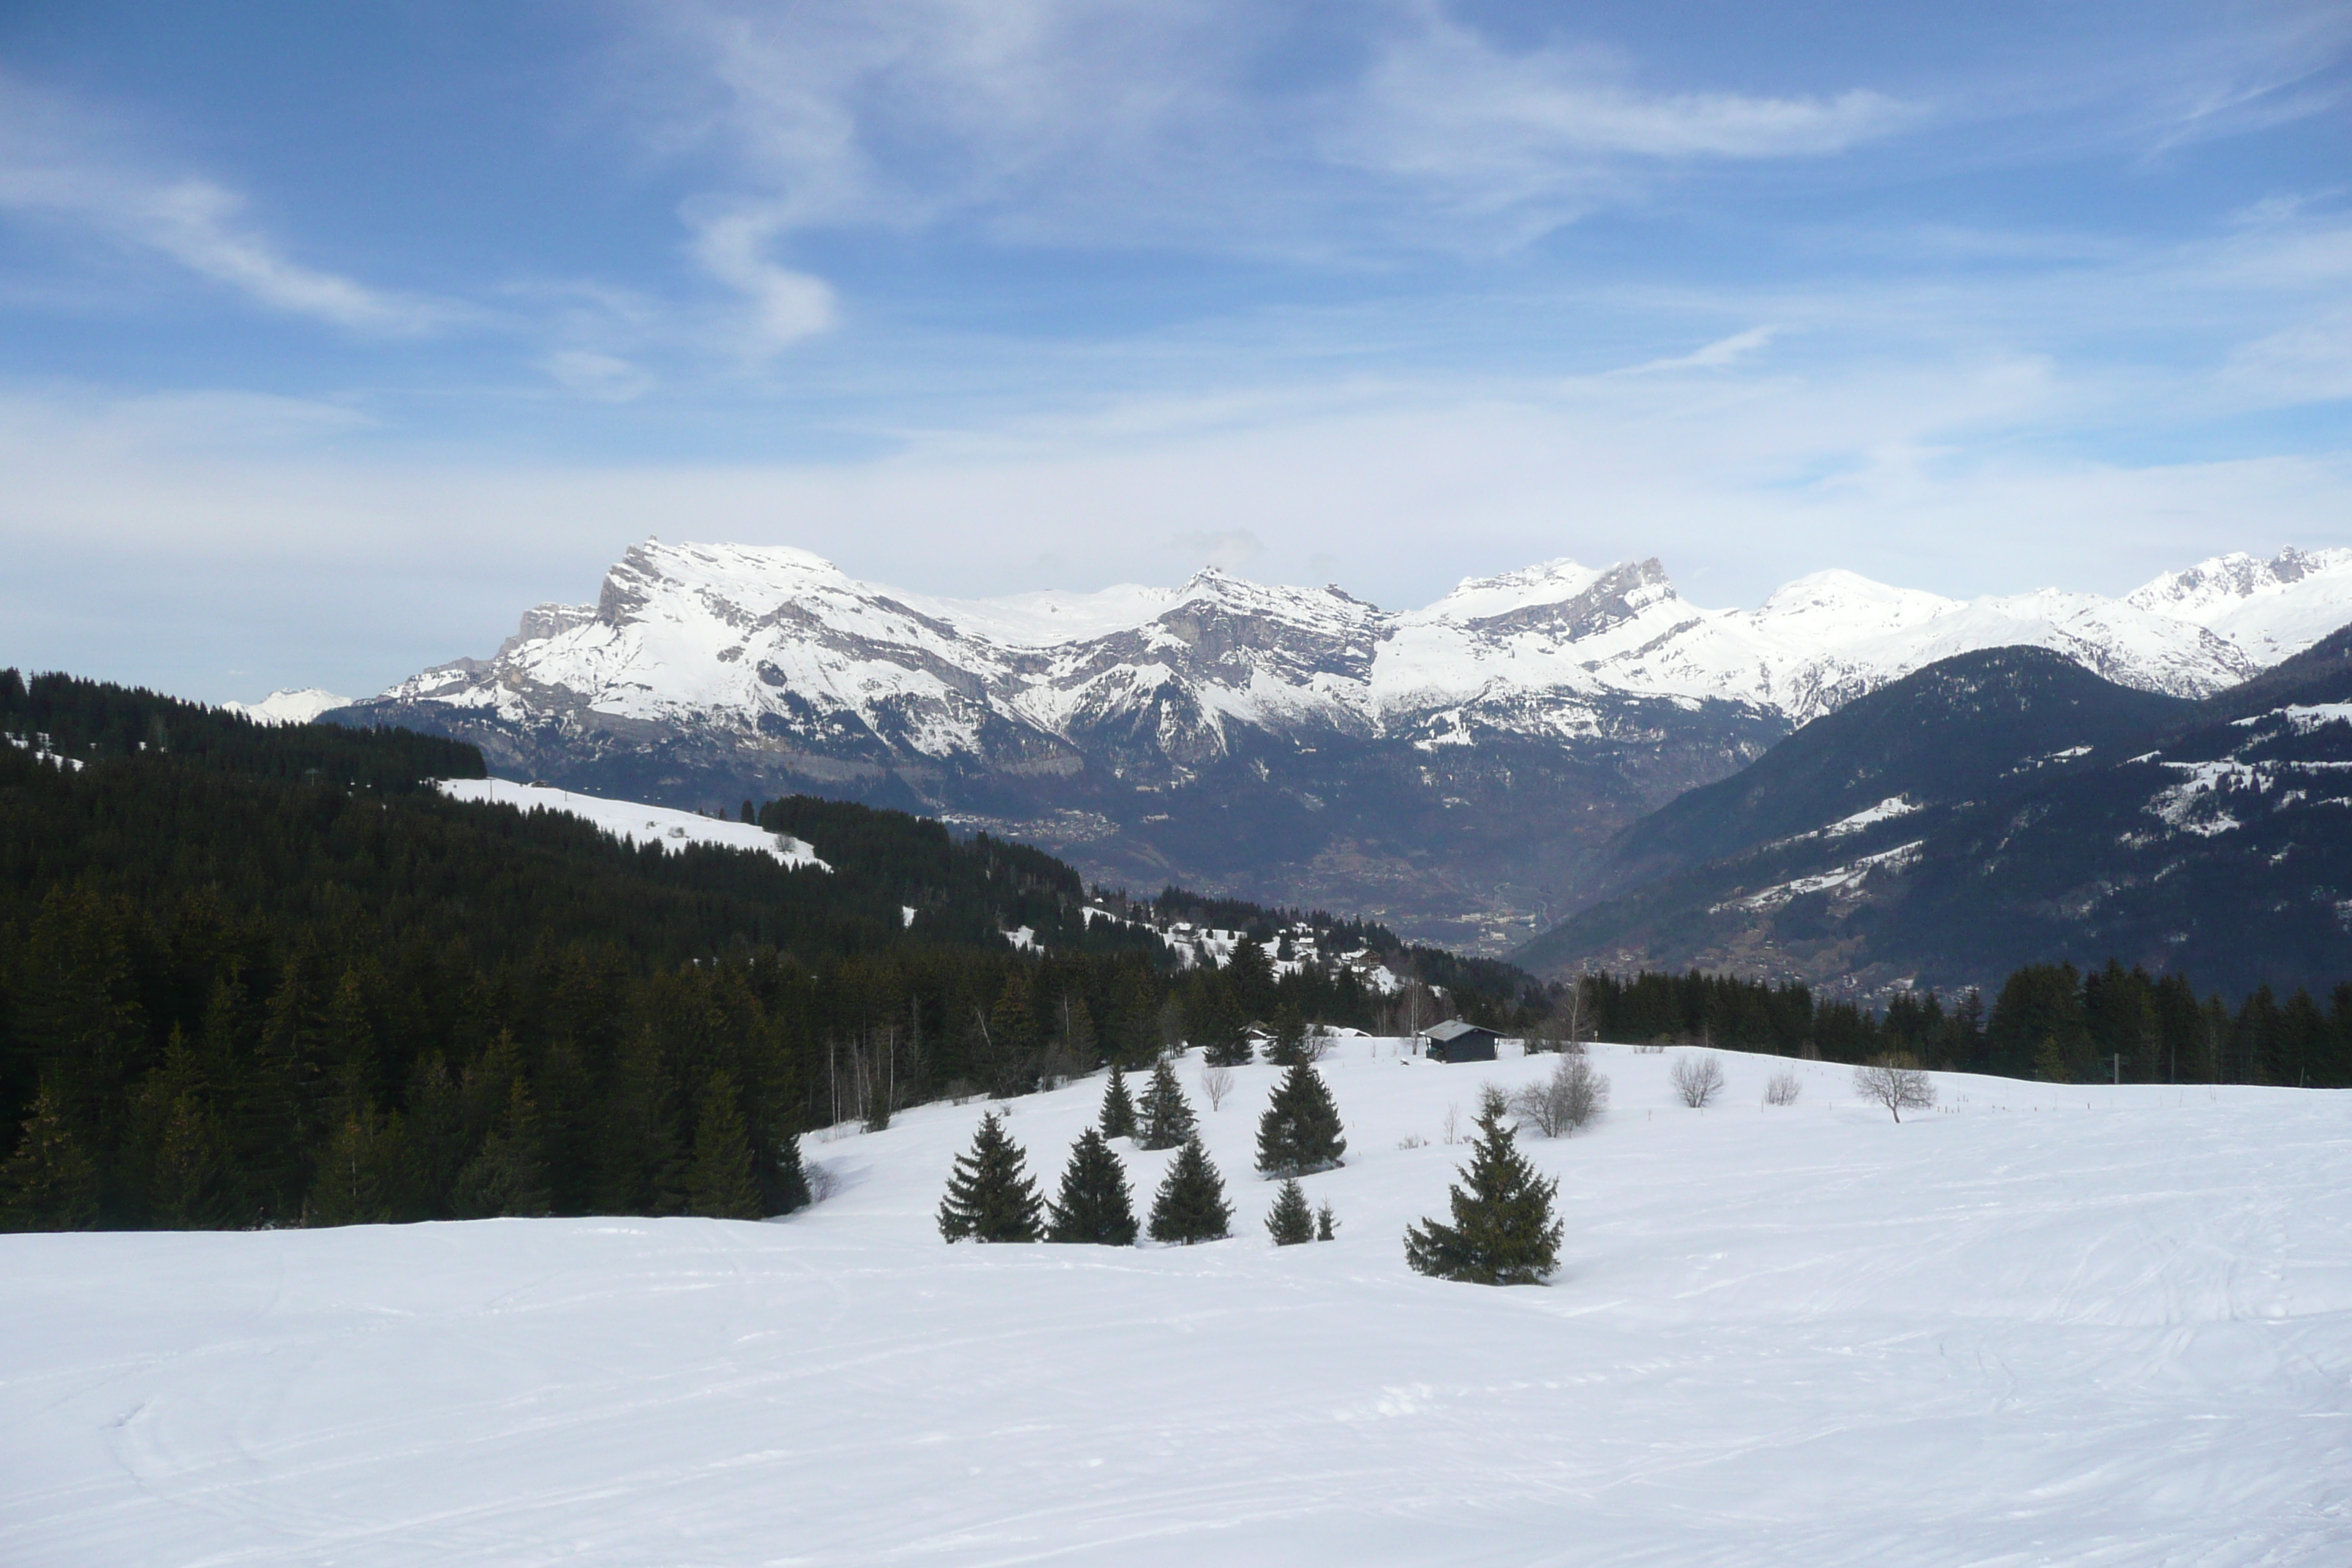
x=191, y=1183
x=1289, y=1045
x=788, y=1189
x=1250, y=977
x=509, y=1176
x=1503, y=1231
x=359, y=1173
x=50, y=1182
x=1327, y=1225
x=1191, y=1203
x=1299, y=1133
x=1165, y=1118
x=1290, y=1221
x=1093, y=1205
x=989, y=1196
x=1216, y=1024
x=719, y=1183
x=1117, y=1110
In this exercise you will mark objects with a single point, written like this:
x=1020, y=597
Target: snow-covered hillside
x=2041, y=1325
x=633, y=823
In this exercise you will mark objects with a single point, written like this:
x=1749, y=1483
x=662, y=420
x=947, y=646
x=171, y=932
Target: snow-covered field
x=2038, y=1326
x=633, y=823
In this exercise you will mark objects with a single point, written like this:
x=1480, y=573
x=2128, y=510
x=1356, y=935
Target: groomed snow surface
x=2037, y=1326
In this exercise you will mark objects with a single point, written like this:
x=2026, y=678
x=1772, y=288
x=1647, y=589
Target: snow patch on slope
x=637, y=824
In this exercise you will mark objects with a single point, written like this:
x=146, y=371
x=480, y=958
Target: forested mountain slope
x=2055, y=821
x=252, y=975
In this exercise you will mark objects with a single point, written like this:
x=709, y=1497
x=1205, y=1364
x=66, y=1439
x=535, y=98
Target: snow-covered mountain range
x=1126, y=728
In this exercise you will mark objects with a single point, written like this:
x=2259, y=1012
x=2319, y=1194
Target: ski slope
x=2037, y=1326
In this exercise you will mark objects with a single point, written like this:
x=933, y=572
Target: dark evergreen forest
x=254, y=975
x=260, y=976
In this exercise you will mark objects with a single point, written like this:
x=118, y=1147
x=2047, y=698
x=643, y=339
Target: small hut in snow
x=1455, y=1041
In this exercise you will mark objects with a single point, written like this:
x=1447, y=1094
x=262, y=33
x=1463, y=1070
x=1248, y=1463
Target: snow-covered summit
x=784, y=648
x=2268, y=609
x=287, y=707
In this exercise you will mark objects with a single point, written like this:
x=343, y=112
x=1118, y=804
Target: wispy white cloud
x=1101, y=122
x=784, y=306
x=1490, y=130
x=1717, y=355
x=59, y=163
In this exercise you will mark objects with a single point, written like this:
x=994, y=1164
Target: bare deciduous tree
x=1573, y=1095
x=1567, y=1027
x=1896, y=1082
x=1698, y=1079
x=1216, y=1082
x=1783, y=1088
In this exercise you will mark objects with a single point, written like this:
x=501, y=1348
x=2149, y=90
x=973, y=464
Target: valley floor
x=2037, y=1326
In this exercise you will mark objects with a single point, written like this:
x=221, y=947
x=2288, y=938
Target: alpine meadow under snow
x=2037, y=1324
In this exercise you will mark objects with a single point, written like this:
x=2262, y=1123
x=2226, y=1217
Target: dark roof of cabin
x=1452, y=1029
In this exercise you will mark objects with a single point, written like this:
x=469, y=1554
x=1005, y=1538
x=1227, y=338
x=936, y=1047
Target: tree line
x=2047, y=1021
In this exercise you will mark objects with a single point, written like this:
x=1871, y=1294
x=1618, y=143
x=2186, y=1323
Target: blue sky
x=332, y=337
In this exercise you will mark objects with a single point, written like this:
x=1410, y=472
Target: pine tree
x=191, y=1185
x=1191, y=1203
x=1093, y=1205
x=1299, y=1133
x=50, y=1182
x=359, y=1178
x=1165, y=1118
x=1250, y=975
x=1290, y=1221
x=509, y=1175
x=719, y=1183
x=1503, y=1231
x=788, y=1189
x=1118, y=1110
x=1289, y=1045
x=1217, y=1025
x=989, y=1196
x=1327, y=1225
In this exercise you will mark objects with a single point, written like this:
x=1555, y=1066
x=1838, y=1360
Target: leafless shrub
x=1216, y=1082
x=1412, y=1141
x=1317, y=1043
x=1453, y=1124
x=822, y=1182
x=1651, y=1047
x=1783, y=1088
x=1698, y=1079
x=1573, y=1095
x=1895, y=1081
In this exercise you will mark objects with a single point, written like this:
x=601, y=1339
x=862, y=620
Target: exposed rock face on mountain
x=2002, y=808
x=1449, y=770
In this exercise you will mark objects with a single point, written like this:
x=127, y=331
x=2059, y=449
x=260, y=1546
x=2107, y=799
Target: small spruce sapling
x=1093, y=1206
x=989, y=1196
x=1299, y=1133
x=1118, y=1108
x=1290, y=1221
x=1327, y=1225
x=1503, y=1231
x=1191, y=1203
x=1165, y=1118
